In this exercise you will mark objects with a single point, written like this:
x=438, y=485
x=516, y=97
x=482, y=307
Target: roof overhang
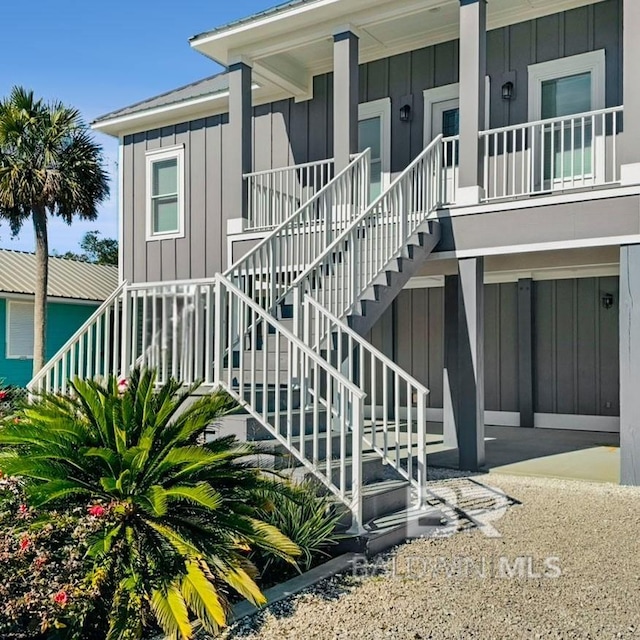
x=290, y=45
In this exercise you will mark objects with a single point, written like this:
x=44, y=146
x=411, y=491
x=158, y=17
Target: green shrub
x=305, y=516
x=183, y=516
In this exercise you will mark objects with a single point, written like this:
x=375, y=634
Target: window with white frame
x=19, y=330
x=374, y=132
x=165, y=193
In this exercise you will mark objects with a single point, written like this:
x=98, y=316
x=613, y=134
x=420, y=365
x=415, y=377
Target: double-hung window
x=19, y=330
x=165, y=193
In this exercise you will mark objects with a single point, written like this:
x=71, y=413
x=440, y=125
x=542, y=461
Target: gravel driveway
x=567, y=565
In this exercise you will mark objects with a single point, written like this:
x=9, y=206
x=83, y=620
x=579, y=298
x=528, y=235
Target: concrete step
x=380, y=499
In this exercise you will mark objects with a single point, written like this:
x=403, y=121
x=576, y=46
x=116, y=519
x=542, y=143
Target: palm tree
x=49, y=164
x=183, y=516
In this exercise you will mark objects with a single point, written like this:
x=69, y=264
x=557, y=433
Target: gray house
x=386, y=214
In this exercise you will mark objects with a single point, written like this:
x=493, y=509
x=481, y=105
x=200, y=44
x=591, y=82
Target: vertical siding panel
x=576, y=31
x=299, y=131
x=446, y=56
x=400, y=85
x=491, y=348
x=497, y=64
x=609, y=356
x=128, y=239
x=139, y=211
x=152, y=249
x=521, y=44
x=318, y=115
x=281, y=154
x=509, y=347
x=608, y=36
x=543, y=346
x=421, y=79
x=378, y=80
x=198, y=199
x=565, y=353
x=168, y=247
x=548, y=38
x=182, y=245
x=418, y=335
x=215, y=235
x=262, y=138
x=403, y=326
x=587, y=345
x=435, y=341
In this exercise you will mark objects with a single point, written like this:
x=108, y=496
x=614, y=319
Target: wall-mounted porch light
x=507, y=91
x=607, y=301
x=405, y=113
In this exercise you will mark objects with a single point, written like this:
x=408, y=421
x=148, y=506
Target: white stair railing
x=276, y=194
x=395, y=405
x=270, y=267
x=556, y=154
x=339, y=277
x=92, y=352
x=297, y=395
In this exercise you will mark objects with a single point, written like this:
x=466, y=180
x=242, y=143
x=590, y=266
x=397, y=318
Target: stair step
x=380, y=499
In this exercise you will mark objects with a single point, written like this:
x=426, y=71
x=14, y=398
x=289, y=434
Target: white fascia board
x=211, y=104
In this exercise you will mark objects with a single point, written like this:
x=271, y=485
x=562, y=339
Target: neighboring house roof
x=67, y=278
x=206, y=86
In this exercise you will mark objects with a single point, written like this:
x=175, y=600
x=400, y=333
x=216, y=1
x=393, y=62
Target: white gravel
x=460, y=587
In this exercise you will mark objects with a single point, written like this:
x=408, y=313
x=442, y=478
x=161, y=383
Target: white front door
x=445, y=120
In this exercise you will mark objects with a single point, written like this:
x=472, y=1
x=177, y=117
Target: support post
x=525, y=352
x=471, y=363
x=450, y=391
x=239, y=152
x=630, y=365
x=473, y=70
x=630, y=148
x=346, y=87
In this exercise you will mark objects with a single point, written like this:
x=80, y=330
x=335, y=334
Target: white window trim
x=382, y=109
x=450, y=92
x=593, y=62
x=9, y=355
x=167, y=153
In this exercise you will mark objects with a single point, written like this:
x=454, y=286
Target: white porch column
x=630, y=364
x=346, y=88
x=473, y=70
x=630, y=148
x=239, y=153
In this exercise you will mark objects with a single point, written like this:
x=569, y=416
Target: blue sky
x=99, y=56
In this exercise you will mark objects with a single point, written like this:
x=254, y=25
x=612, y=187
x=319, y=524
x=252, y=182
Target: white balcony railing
x=551, y=155
x=276, y=194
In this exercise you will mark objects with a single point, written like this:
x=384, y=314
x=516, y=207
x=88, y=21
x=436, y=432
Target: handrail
x=364, y=215
x=48, y=367
x=299, y=344
x=302, y=165
x=536, y=123
x=372, y=369
x=275, y=260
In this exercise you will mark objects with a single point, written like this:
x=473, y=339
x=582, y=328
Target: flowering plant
x=48, y=589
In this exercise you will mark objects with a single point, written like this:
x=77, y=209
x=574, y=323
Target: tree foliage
x=95, y=250
x=50, y=165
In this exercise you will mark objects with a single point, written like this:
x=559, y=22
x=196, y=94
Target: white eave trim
x=186, y=109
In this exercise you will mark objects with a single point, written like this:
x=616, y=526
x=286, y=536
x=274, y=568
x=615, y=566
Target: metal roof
x=206, y=86
x=67, y=278
x=252, y=18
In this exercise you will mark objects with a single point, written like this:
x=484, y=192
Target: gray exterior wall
x=287, y=132
x=575, y=344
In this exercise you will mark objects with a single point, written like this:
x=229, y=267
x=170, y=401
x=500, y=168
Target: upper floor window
x=19, y=330
x=165, y=193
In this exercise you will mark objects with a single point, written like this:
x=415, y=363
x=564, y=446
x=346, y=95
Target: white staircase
x=282, y=329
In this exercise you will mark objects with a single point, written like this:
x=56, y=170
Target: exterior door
x=445, y=120
x=370, y=137
x=567, y=145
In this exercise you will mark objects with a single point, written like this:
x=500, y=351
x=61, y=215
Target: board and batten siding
x=575, y=342
x=286, y=132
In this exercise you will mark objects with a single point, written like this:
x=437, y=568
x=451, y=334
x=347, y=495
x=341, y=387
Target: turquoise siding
x=63, y=320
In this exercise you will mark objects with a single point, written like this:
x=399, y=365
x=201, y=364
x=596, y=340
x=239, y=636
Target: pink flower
x=39, y=562
x=23, y=509
x=24, y=543
x=123, y=385
x=3, y=395
x=61, y=598
x=97, y=511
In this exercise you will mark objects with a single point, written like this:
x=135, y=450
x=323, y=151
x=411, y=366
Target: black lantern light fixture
x=405, y=113
x=607, y=301
x=507, y=91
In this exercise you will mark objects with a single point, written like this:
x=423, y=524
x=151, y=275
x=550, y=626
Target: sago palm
x=183, y=513
x=49, y=165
